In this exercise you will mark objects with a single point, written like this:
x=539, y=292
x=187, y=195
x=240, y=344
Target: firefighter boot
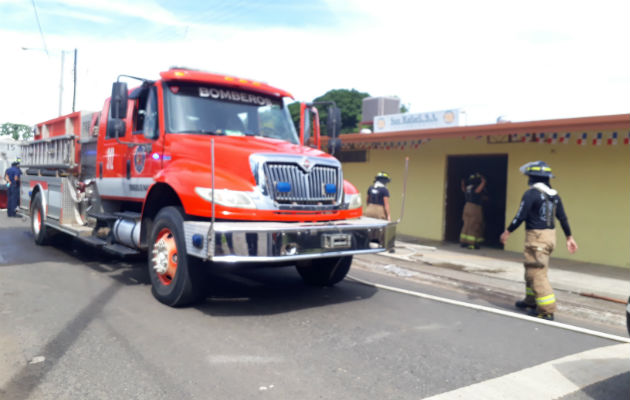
x=537, y=314
x=522, y=304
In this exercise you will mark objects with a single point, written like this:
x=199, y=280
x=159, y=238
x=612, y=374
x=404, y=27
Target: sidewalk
x=581, y=278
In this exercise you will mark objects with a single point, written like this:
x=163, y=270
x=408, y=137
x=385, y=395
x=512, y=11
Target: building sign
x=406, y=122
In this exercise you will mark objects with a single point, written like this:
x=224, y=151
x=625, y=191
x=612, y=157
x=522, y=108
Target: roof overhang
x=601, y=123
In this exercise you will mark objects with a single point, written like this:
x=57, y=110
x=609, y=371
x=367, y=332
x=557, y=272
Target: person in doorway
x=471, y=235
x=12, y=179
x=377, y=204
x=539, y=207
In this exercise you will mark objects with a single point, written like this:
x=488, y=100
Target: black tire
x=184, y=284
x=41, y=232
x=324, y=271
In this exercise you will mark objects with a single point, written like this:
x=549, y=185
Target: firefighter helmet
x=537, y=168
x=383, y=177
x=474, y=179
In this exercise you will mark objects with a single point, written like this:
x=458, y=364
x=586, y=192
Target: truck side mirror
x=305, y=123
x=334, y=121
x=116, y=128
x=118, y=103
x=334, y=145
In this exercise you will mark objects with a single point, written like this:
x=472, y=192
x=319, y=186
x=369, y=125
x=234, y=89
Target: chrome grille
x=305, y=187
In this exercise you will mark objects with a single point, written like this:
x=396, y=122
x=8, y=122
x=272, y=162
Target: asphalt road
x=78, y=324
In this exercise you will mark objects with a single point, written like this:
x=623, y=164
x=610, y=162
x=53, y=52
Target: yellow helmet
x=383, y=177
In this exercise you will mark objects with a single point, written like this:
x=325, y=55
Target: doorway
x=494, y=168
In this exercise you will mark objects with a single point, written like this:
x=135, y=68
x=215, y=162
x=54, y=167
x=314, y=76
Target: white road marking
x=494, y=311
x=550, y=380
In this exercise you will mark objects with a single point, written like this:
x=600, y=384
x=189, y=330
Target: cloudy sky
x=523, y=60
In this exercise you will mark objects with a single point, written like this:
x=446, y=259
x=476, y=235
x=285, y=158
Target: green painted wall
x=593, y=182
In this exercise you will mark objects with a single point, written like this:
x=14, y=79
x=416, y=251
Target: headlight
x=228, y=198
x=353, y=201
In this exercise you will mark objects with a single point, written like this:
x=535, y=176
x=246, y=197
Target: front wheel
x=324, y=271
x=41, y=232
x=176, y=278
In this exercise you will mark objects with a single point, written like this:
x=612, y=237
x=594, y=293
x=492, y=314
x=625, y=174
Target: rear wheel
x=41, y=232
x=177, y=279
x=324, y=271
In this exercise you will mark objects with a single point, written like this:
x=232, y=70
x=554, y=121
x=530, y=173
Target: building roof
x=619, y=122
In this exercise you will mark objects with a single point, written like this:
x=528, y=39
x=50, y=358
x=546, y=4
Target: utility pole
x=74, y=73
x=63, y=59
x=74, y=86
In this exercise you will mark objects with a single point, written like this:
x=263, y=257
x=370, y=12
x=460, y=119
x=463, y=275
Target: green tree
x=16, y=131
x=350, y=101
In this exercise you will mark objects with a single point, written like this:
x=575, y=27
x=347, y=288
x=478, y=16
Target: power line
x=40, y=27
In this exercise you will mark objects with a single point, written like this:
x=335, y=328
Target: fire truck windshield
x=201, y=109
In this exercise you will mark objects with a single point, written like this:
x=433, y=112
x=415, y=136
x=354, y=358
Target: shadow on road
x=268, y=291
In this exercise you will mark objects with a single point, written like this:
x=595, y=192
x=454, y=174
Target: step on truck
x=200, y=171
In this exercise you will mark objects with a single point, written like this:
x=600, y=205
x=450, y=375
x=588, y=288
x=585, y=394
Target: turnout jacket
x=539, y=205
x=471, y=196
x=376, y=194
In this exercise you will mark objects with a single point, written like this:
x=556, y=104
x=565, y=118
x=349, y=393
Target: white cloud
x=85, y=16
x=148, y=10
x=477, y=55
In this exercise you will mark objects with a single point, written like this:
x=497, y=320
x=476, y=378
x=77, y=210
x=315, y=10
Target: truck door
x=130, y=152
x=111, y=155
x=144, y=158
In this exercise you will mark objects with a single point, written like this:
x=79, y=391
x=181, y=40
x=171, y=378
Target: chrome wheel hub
x=160, y=257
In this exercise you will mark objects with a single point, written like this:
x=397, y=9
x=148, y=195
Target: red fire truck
x=200, y=171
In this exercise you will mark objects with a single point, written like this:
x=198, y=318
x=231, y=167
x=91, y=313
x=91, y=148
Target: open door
x=494, y=168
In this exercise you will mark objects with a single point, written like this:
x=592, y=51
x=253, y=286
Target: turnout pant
x=539, y=243
x=472, y=231
x=375, y=211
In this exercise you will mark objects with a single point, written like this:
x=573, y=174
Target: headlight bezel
x=353, y=201
x=227, y=198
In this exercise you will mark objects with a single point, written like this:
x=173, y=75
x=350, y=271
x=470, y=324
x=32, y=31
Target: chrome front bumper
x=287, y=241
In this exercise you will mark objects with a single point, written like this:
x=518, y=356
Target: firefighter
x=539, y=205
x=471, y=235
x=12, y=178
x=378, y=198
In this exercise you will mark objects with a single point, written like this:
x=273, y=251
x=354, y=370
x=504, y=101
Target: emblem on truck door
x=139, y=157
